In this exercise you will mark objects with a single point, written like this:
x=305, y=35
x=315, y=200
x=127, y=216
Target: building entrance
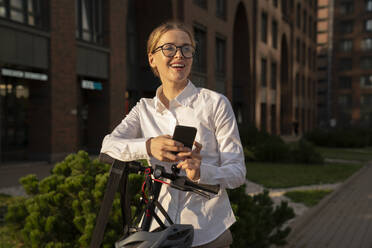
x=14, y=121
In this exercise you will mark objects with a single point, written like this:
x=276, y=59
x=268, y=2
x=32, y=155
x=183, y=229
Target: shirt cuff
x=208, y=174
x=136, y=150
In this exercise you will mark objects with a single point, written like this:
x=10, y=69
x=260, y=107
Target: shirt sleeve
x=231, y=171
x=126, y=142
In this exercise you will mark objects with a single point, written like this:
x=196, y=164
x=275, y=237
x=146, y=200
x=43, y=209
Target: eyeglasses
x=169, y=50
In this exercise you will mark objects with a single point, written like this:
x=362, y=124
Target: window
x=304, y=22
x=221, y=8
x=303, y=57
x=2, y=8
x=366, y=44
x=344, y=101
x=366, y=63
x=346, y=27
x=298, y=21
x=89, y=21
x=200, y=63
x=366, y=81
x=220, y=56
x=345, y=64
x=275, y=2
x=344, y=82
x=346, y=45
x=368, y=5
x=24, y=11
x=368, y=25
x=298, y=50
x=346, y=7
x=366, y=100
x=273, y=75
x=297, y=85
x=264, y=27
x=263, y=72
x=310, y=32
x=201, y=3
x=275, y=34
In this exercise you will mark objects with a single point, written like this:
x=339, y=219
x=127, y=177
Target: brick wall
x=63, y=85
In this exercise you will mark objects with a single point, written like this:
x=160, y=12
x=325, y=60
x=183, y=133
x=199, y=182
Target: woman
x=217, y=157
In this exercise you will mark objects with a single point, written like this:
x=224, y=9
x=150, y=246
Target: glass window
x=345, y=64
x=221, y=8
x=89, y=20
x=366, y=100
x=275, y=2
x=344, y=82
x=366, y=63
x=346, y=7
x=346, y=27
x=199, y=63
x=263, y=72
x=2, y=9
x=275, y=34
x=346, y=45
x=273, y=75
x=366, y=81
x=264, y=27
x=297, y=85
x=201, y=3
x=344, y=100
x=366, y=44
x=304, y=22
x=298, y=50
x=369, y=5
x=220, y=56
x=298, y=21
x=17, y=10
x=368, y=25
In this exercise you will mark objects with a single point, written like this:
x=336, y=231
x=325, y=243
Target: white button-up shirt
x=222, y=154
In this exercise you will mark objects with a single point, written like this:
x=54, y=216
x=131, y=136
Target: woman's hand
x=191, y=162
x=161, y=148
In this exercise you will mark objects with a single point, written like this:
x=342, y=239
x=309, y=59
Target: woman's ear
x=151, y=60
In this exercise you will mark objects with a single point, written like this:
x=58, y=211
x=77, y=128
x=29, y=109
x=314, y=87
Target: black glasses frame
x=177, y=47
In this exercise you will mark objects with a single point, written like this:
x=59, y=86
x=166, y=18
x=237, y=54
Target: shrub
x=304, y=152
x=273, y=150
x=259, y=224
x=345, y=137
x=62, y=208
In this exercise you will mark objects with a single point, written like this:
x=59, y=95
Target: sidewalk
x=11, y=173
x=341, y=220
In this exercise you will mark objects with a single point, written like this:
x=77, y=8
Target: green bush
x=345, y=137
x=273, y=150
x=62, y=208
x=259, y=224
x=304, y=152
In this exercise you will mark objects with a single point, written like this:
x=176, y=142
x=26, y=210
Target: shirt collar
x=184, y=98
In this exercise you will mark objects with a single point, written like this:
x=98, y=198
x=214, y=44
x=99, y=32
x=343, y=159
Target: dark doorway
x=243, y=100
x=143, y=17
x=286, y=95
x=14, y=94
x=92, y=116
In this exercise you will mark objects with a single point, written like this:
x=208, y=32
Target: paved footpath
x=342, y=220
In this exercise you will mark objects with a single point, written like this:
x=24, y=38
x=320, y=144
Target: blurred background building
x=345, y=63
x=71, y=70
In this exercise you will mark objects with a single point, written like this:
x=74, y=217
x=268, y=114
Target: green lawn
x=357, y=154
x=290, y=175
x=308, y=197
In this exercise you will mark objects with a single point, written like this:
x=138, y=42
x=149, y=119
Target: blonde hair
x=162, y=29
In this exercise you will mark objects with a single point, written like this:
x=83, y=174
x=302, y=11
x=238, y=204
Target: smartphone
x=185, y=135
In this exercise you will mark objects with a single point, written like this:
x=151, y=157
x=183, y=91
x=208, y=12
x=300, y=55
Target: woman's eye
x=168, y=47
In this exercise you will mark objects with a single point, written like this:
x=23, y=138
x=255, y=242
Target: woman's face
x=174, y=69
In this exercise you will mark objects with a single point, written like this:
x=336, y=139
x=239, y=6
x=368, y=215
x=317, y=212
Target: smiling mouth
x=177, y=66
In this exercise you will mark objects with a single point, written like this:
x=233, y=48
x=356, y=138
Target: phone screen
x=185, y=135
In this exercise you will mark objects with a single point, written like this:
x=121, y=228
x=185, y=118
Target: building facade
x=348, y=61
x=71, y=70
